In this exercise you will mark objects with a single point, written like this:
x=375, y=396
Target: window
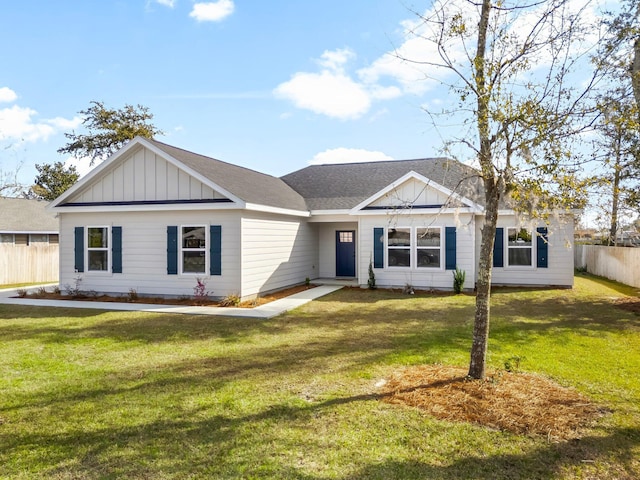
x=428, y=246
x=98, y=249
x=38, y=238
x=6, y=238
x=399, y=247
x=54, y=239
x=345, y=237
x=194, y=249
x=520, y=247
x=21, y=239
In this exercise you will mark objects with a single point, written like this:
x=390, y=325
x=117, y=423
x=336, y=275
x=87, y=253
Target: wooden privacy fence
x=616, y=263
x=28, y=263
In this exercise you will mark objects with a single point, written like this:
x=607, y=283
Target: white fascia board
x=280, y=211
x=356, y=210
x=330, y=212
x=150, y=208
x=419, y=211
x=25, y=232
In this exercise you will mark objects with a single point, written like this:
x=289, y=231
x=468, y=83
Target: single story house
x=28, y=242
x=154, y=217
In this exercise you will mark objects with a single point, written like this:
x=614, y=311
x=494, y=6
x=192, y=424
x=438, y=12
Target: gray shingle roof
x=22, y=215
x=343, y=186
x=244, y=183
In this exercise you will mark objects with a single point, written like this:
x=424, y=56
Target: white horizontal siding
x=144, y=176
x=327, y=246
x=418, y=277
x=276, y=253
x=560, y=255
x=144, y=252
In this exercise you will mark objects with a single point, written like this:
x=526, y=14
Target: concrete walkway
x=268, y=310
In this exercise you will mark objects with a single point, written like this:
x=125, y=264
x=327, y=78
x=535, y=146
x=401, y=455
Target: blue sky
x=270, y=85
x=267, y=85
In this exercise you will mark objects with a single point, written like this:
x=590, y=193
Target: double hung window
x=194, y=249
x=419, y=247
x=98, y=249
x=519, y=247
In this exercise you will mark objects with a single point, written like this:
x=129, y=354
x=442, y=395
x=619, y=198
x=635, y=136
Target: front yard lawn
x=94, y=394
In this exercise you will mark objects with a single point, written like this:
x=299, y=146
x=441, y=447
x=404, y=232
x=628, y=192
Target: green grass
x=93, y=394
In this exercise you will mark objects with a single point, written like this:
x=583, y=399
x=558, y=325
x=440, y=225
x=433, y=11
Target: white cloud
x=167, y=3
x=19, y=124
x=347, y=155
x=328, y=93
x=7, y=95
x=212, y=11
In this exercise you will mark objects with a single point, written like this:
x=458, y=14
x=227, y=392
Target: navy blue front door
x=345, y=253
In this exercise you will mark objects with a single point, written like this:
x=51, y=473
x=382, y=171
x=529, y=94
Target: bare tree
x=513, y=66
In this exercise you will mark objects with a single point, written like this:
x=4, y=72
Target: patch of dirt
x=187, y=301
x=520, y=403
x=631, y=304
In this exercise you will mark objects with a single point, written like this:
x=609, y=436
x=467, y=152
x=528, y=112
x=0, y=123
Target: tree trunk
x=477, y=366
x=615, y=199
x=635, y=72
x=492, y=195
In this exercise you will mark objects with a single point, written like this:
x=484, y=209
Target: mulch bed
x=520, y=403
x=187, y=301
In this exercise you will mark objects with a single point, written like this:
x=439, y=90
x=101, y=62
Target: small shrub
x=132, y=295
x=56, y=290
x=41, y=292
x=458, y=280
x=200, y=292
x=22, y=292
x=512, y=364
x=372, y=277
x=74, y=290
x=307, y=281
x=408, y=289
x=231, y=300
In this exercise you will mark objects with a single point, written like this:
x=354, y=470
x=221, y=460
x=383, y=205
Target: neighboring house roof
x=20, y=215
x=343, y=186
x=249, y=185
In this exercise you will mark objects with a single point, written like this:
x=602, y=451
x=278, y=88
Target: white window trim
x=413, y=250
x=207, y=244
x=533, y=233
x=441, y=248
x=87, y=270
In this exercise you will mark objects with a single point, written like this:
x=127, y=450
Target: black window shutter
x=78, y=249
x=378, y=247
x=450, y=248
x=542, y=248
x=172, y=250
x=215, y=249
x=116, y=249
x=498, y=248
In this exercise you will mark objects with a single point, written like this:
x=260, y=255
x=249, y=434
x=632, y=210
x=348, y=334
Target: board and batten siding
x=413, y=192
x=559, y=271
x=144, y=176
x=276, y=252
x=144, y=253
x=418, y=277
x=327, y=246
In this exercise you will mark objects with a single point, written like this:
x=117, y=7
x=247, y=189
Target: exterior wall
x=28, y=263
x=439, y=278
x=276, y=252
x=327, y=246
x=144, y=252
x=616, y=263
x=413, y=192
x=144, y=176
x=560, y=255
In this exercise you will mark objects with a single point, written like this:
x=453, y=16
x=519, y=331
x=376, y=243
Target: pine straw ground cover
x=519, y=403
